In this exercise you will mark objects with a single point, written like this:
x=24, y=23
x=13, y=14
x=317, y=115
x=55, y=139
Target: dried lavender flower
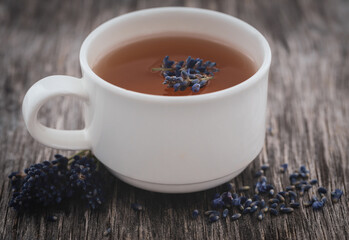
x=193, y=72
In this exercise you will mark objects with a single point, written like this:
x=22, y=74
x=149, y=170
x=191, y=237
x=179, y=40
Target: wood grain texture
x=308, y=115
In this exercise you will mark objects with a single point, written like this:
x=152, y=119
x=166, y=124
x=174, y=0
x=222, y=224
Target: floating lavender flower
x=193, y=72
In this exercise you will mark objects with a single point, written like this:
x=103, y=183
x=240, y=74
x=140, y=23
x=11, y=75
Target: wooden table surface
x=307, y=120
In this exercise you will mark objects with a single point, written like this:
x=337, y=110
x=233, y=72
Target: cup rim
x=262, y=70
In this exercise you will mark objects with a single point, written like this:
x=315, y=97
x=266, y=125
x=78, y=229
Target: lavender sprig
x=194, y=73
x=50, y=182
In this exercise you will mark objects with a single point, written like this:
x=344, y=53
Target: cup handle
x=41, y=92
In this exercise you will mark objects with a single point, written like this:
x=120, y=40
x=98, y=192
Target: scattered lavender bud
x=307, y=187
x=243, y=199
x=217, y=203
x=322, y=190
x=209, y=212
x=283, y=167
x=195, y=214
x=265, y=209
x=295, y=204
x=280, y=197
x=259, y=173
x=271, y=192
x=52, y=218
x=308, y=203
x=262, y=203
x=264, y=167
x=137, y=207
x=324, y=200
x=317, y=205
x=292, y=195
x=256, y=197
x=213, y=218
x=248, y=202
x=274, y=205
x=246, y=210
x=229, y=186
x=241, y=208
x=253, y=209
x=273, y=211
x=274, y=200
x=286, y=210
x=336, y=195
x=235, y=216
x=260, y=216
x=255, y=203
x=313, y=181
x=290, y=188
x=225, y=213
x=244, y=188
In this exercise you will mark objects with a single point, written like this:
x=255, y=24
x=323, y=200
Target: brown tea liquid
x=130, y=66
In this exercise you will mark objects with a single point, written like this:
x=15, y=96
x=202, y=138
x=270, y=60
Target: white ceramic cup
x=162, y=143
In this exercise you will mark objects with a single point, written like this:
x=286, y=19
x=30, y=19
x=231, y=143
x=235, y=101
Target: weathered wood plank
x=308, y=113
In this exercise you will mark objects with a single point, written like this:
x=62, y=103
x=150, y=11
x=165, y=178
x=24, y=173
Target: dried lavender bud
x=209, y=212
x=317, y=205
x=286, y=210
x=213, y=218
x=248, y=202
x=244, y=188
x=290, y=188
x=256, y=197
x=264, y=167
x=235, y=216
x=255, y=203
x=280, y=197
x=52, y=218
x=274, y=205
x=228, y=186
x=262, y=186
x=259, y=173
x=265, y=209
x=313, y=181
x=308, y=203
x=292, y=195
x=273, y=211
x=336, y=195
x=191, y=72
x=195, y=214
x=283, y=167
x=241, y=208
x=274, y=200
x=307, y=187
x=262, y=203
x=260, y=216
x=322, y=190
x=246, y=210
x=137, y=207
x=253, y=209
x=225, y=213
x=217, y=203
x=295, y=205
